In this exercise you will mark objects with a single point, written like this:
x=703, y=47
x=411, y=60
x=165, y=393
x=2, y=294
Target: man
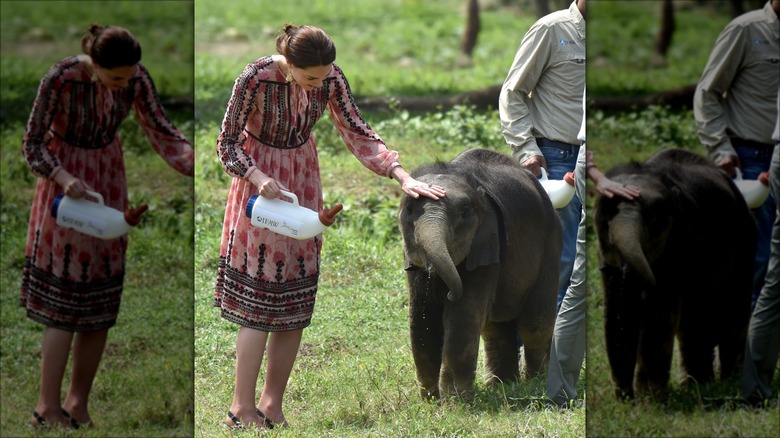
x=567, y=349
x=735, y=114
x=763, y=341
x=541, y=109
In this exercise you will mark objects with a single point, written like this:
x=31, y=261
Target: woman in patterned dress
x=72, y=283
x=268, y=282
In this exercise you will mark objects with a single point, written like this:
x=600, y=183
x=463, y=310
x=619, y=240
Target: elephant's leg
x=536, y=347
x=427, y=332
x=501, y=351
x=460, y=352
x=697, y=337
x=621, y=329
x=463, y=322
x=654, y=356
x=736, y=315
x=536, y=320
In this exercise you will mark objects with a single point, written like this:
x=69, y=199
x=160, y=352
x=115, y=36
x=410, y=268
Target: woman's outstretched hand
x=415, y=188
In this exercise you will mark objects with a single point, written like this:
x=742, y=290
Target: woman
x=72, y=283
x=267, y=282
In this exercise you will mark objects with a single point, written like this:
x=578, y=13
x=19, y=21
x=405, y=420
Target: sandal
x=40, y=422
x=72, y=420
x=267, y=421
x=236, y=422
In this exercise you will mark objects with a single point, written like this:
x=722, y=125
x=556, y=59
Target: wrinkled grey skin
x=677, y=261
x=481, y=261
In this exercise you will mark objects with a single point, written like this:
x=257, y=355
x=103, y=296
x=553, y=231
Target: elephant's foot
x=656, y=391
x=624, y=394
x=495, y=379
x=462, y=389
x=429, y=393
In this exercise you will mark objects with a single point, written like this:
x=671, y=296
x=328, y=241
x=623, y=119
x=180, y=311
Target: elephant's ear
x=486, y=245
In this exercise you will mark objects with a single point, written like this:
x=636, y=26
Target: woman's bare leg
x=87, y=352
x=282, y=351
x=54, y=357
x=250, y=345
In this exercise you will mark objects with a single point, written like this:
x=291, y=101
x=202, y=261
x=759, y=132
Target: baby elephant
x=677, y=261
x=481, y=261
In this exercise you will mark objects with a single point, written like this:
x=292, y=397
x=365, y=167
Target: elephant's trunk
x=431, y=236
x=626, y=234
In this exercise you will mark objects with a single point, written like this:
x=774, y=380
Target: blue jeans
x=559, y=161
x=755, y=160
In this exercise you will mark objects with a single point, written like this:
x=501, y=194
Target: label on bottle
x=81, y=222
x=276, y=222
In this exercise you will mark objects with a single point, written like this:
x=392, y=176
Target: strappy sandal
x=74, y=423
x=40, y=422
x=266, y=421
x=237, y=424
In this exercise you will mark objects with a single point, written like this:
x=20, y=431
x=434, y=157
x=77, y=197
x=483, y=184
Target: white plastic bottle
x=754, y=191
x=559, y=190
x=289, y=218
x=94, y=218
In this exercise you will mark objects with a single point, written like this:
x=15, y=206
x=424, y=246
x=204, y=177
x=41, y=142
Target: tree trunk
x=541, y=8
x=469, y=40
x=664, y=38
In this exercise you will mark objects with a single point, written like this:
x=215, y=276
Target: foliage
x=385, y=48
x=621, y=46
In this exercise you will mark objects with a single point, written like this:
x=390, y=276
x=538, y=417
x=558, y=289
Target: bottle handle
x=292, y=196
x=96, y=195
x=739, y=174
x=544, y=174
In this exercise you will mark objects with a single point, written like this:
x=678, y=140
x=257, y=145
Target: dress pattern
x=267, y=281
x=70, y=280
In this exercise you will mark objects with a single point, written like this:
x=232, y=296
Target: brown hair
x=305, y=46
x=111, y=46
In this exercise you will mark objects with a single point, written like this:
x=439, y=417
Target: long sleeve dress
x=70, y=280
x=267, y=281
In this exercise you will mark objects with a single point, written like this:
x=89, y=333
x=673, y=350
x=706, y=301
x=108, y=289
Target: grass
x=620, y=48
x=144, y=386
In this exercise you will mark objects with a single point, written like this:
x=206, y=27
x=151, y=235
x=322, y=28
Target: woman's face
x=117, y=77
x=310, y=78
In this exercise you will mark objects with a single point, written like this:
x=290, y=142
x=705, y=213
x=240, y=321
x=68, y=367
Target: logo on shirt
x=760, y=42
x=564, y=42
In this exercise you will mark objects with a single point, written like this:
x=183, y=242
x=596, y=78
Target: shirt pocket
x=568, y=51
x=763, y=57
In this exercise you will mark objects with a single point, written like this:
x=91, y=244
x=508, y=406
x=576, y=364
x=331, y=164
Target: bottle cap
x=250, y=205
x=56, y=205
x=327, y=217
x=133, y=216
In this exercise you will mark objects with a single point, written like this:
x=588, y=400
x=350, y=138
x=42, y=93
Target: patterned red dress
x=267, y=281
x=72, y=281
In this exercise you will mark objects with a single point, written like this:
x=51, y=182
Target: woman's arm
x=168, y=141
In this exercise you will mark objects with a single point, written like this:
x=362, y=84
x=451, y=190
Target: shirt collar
x=579, y=20
x=771, y=18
